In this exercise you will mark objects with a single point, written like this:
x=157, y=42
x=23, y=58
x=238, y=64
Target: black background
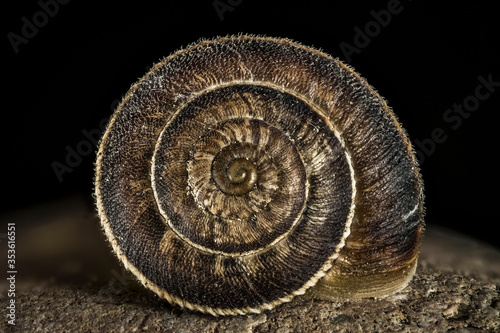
x=69, y=75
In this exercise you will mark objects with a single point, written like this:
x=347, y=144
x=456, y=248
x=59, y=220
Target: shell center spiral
x=232, y=174
x=237, y=177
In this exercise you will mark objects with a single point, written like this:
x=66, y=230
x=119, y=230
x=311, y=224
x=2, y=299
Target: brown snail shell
x=241, y=171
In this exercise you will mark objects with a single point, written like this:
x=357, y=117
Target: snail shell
x=241, y=171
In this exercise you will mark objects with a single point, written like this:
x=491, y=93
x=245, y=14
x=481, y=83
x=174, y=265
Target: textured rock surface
x=68, y=281
x=433, y=302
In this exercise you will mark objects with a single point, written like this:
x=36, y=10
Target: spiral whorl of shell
x=238, y=171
